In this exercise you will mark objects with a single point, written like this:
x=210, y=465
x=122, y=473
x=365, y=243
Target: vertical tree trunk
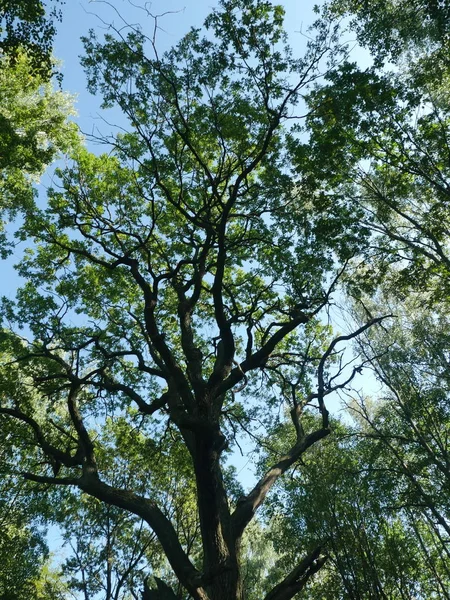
x=221, y=565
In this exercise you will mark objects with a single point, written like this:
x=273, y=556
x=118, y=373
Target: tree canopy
x=180, y=305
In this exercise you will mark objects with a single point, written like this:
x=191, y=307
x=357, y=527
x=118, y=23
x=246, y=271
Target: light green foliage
x=415, y=409
x=258, y=560
x=20, y=552
x=34, y=118
x=34, y=130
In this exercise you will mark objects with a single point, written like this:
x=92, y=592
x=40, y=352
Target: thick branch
x=225, y=358
x=144, y=407
x=259, y=358
x=247, y=506
x=51, y=480
x=157, y=339
x=163, y=591
x=148, y=510
x=83, y=435
x=193, y=354
x=298, y=577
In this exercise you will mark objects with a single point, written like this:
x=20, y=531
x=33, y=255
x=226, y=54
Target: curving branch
x=321, y=391
x=259, y=358
x=55, y=455
x=149, y=511
x=248, y=505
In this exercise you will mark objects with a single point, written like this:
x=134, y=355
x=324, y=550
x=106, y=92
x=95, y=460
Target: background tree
x=380, y=141
x=414, y=376
x=378, y=151
x=392, y=130
x=34, y=118
x=35, y=130
x=391, y=30
x=380, y=541
x=25, y=570
x=113, y=552
x=108, y=552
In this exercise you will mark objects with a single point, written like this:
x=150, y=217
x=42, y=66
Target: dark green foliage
x=26, y=26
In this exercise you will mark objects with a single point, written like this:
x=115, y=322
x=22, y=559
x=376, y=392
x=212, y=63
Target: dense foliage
x=34, y=130
x=30, y=26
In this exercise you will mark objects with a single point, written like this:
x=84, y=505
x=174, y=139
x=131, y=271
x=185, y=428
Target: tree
x=176, y=284
x=380, y=540
x=413, y=420
x=109, y=550
x=34, y=117
x=378, y=152
x=377, y=491
x=391, y=30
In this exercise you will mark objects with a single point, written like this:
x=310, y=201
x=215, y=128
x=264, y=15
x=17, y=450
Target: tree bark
x=296, y=580
x=221, y=565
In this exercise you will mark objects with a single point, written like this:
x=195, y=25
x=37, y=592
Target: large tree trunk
x=221, y=564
